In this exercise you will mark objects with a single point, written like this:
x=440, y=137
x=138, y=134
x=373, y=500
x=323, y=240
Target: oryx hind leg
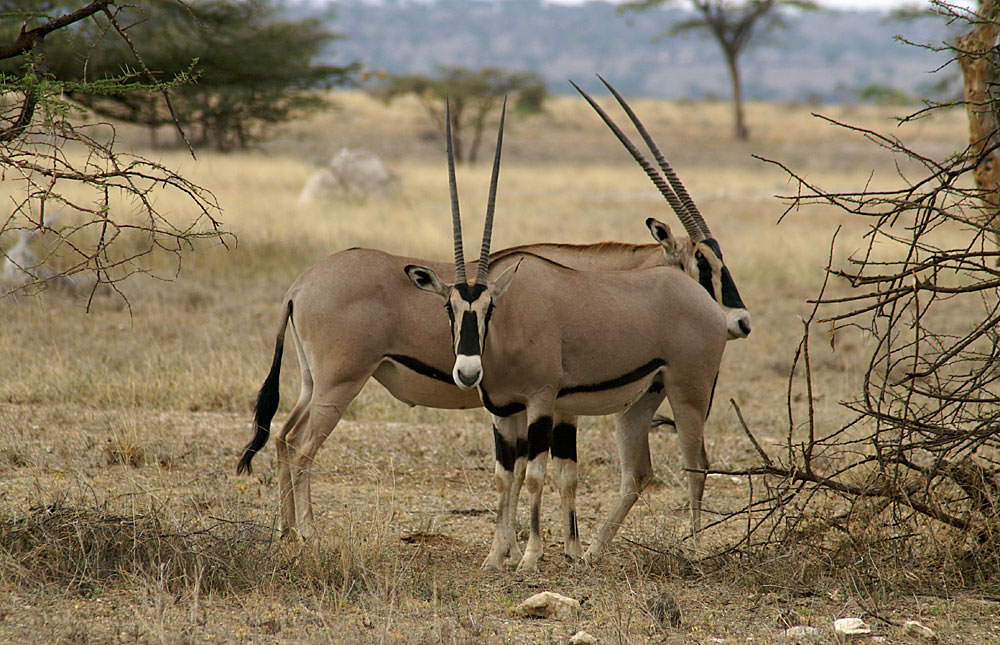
x=565, y=475
x=292, y=427
x=539, y=442
x=508, y=475
x=632, y=441
x=328, y=403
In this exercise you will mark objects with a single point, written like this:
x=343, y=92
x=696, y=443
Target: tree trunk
x=979, y=71
x=740, y=130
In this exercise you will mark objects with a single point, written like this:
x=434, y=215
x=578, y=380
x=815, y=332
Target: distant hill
x=827, y=56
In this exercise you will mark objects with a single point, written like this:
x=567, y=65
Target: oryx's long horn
x=668, y=171
x=456, y=217
x=694, y=231
x=484, y=254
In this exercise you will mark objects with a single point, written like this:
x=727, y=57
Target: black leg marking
x=574, y=533
x=536, y=525
x=564, y=441
x=539, y=437
x=505, y=452
x=521, y=448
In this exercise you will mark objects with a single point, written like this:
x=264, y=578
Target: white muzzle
x=468, y=371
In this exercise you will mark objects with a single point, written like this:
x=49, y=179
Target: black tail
x=267, y=401
x=660, y=421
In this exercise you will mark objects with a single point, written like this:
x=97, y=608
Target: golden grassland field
x=122, y=518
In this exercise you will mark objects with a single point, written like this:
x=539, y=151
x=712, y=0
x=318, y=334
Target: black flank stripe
x=502, y=410
x=624, y=379
x=422, y=368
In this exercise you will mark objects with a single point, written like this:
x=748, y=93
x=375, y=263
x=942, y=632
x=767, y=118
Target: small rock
x=915, y=630
x=802, y=634
x=665, y=609
x=847, y=628
x=583, y=638
x=548, y=604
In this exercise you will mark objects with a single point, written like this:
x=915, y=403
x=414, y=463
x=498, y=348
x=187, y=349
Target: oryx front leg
x=564, y=472
x=508, y=473
x=690, y=419
x=539, y=442
x=632, y=440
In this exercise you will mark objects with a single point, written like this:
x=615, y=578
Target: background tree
x=252, y=68
x=732, y=24
x=57, y=162
x=474, y=94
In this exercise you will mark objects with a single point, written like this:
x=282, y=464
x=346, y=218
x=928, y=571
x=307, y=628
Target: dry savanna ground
x=122, y=518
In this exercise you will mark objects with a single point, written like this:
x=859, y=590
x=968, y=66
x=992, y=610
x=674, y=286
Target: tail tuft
x=267, y=402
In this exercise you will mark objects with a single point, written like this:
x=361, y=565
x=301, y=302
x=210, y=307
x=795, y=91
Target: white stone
x=352, y=175
x=548, y=604
x=802, y=634
x=583, y=638
x=851, y=628
x=921, y=632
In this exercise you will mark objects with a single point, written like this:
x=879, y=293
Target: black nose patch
x=468, y=335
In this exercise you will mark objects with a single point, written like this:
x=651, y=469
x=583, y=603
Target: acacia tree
x=733, y=25
x=252, y=67
x=54, y=160
x=474, y=95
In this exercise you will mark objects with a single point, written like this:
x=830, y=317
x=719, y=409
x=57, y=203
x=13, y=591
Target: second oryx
x=554, y=343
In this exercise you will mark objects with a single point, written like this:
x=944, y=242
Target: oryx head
x=469, y=304
x=700, y=255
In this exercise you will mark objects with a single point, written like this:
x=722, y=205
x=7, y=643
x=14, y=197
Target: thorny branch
x=83, y=216
x=921, y=449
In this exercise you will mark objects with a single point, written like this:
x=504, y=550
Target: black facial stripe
x=730, y=295
x=486, y=322
x=711, y=243
x=499, y=410
x=422, y=368
x=470, y=292
x=611, y=384
x=505, y=452
x=705, y=274
x=539, y=437
x=468, y=336
x=563, y=442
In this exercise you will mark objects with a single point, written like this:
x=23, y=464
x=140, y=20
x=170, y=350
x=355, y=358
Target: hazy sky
x=837, y=4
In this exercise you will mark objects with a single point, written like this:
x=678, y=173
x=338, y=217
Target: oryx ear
x=424, y=278
x=661, y=233
x=504, y=280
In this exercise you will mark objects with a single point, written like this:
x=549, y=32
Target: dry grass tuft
x=86, y=550
x=93, y=550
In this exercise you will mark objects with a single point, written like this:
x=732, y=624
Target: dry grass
x=122, y=518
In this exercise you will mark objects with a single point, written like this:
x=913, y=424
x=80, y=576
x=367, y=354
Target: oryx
x=555, y=343
x=354, y=316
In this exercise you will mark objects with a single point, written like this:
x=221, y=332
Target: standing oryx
x=555, y=343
